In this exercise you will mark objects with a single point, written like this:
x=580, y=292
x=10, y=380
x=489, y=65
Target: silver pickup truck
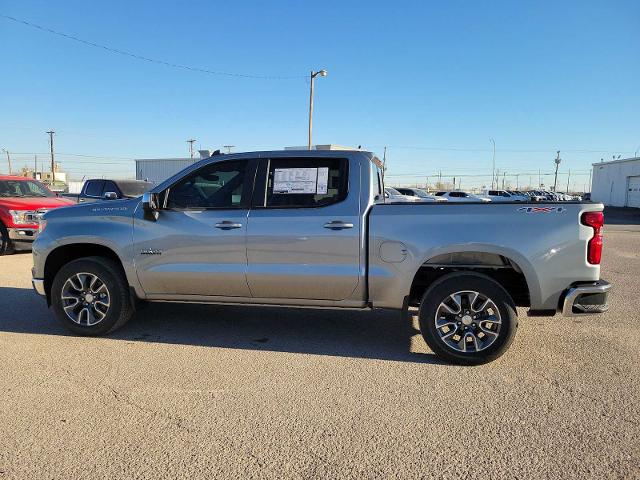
x=312, y=229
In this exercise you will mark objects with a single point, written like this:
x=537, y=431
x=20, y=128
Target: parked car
x=458, y=196
x=420, y=194
x=394, y=196
x=534, y=196
x=306, y=229
x=23, y=202
x=503, y=196
x=106, y=189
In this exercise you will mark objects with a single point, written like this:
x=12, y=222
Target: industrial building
x=157, y=170
x=617, y=183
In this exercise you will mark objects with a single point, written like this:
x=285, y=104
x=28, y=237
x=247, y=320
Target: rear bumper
x=586, y=298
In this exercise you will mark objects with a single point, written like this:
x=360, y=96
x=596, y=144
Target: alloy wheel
x=468, y=321
x=85, y=299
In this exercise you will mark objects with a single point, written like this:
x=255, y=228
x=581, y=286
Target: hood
x=119, y=208
x=34, y=203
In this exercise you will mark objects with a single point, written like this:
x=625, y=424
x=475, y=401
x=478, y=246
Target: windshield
x=23, y=189
x=134, y=188
x=422, y=193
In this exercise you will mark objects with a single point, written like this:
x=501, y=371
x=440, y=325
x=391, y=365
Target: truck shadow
x=382, y=335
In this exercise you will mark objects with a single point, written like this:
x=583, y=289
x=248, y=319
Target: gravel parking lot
x=187, y=391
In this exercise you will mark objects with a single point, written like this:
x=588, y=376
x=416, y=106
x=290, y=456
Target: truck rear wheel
x=90, y=296
x=467, y=318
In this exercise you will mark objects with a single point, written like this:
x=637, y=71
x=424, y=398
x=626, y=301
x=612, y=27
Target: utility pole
x=190, y=142
x=53, y=165
x=493, y=176
x=8, y=158
x=555, y=181
x=539, y=179
x=228, y=147
x=35, y=167
x=454, y=183
x=384, y=161
x=504, y=174
x=568, y=177
x=589, y=181
x=517, y=181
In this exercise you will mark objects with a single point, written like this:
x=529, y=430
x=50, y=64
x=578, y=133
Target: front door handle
x=338, y=225
x=228, y=225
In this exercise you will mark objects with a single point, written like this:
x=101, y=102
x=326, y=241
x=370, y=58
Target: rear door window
x=110, y=186
x=306, y=182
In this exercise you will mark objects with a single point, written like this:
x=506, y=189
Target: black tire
x=452, y=283
x=5, y=243
x=120, y=308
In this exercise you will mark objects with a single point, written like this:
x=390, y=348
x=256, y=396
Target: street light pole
x=555, y=181
x=493, y=176
x=322, y=73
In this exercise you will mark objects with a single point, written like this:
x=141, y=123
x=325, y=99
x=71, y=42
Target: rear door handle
x=228, y=225
x=338, y=225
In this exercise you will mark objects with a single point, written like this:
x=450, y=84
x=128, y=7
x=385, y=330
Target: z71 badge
x=542, y=209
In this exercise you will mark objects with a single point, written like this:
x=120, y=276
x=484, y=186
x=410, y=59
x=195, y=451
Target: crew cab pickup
x=312, y=229
x=23, y=202
x=97, y=189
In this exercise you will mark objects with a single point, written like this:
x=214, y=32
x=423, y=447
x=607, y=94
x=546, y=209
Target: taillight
x=594, y=220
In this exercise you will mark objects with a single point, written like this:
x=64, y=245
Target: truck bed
x=543, y=240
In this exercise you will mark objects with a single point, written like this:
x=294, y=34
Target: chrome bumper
x=586, y=298
x=38, y=286
x=22, y=234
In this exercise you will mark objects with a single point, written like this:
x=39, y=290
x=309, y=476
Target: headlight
x=22, y=217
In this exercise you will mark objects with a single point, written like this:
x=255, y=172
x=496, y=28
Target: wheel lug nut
x=459, y=323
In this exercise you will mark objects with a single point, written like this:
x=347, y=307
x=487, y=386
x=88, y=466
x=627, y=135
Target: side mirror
x=151, y=206
x=110, y=196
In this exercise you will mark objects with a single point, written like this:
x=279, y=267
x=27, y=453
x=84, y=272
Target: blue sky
x=441, y=76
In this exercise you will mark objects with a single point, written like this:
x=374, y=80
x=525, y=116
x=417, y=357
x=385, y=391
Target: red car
x=23, y=201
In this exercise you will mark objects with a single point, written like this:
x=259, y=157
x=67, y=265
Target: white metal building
x=157, y=170
x=617, y=183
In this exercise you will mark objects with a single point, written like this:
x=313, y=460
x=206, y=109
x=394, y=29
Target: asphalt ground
x=192, y=391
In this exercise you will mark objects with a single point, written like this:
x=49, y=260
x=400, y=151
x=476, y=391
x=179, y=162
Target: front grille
x=36, y=215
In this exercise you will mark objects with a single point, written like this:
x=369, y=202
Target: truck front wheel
x=467, y=318
x=90, y=296
x=5, y=242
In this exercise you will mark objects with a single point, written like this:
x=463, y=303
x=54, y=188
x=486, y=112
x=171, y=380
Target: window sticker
x=323, y=180
x=300, y=180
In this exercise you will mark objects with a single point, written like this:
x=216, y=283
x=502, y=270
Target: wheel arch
x=508, y=268
x=64, y=254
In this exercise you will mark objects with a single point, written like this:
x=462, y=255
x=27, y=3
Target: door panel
x=307, y=252
x=197, y=246
x=184, y=253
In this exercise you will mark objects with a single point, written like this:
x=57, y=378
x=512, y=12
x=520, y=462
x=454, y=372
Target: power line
x=148, y=59
x=457, y=149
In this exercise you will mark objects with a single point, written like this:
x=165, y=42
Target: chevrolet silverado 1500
x=313, y=229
